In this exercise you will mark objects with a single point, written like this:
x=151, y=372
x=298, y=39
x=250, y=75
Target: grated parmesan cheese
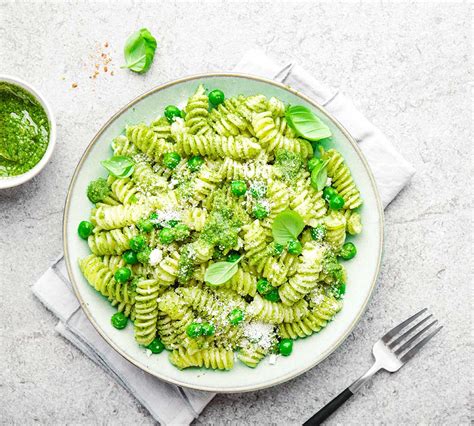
x=273, y=359
x=260, y=333
x=156, y=256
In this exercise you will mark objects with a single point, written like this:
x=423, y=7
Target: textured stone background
x=405, y=65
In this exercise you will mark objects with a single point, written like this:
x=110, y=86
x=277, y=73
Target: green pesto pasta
x=208, y=184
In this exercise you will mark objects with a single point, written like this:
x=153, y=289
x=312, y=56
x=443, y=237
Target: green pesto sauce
x=288, y=164
x=224, y=223
x=24, y=130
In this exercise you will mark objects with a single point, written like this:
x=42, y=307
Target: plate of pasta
x=223, y=232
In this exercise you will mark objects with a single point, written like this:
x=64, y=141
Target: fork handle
x=329, y=408
x=333, y=405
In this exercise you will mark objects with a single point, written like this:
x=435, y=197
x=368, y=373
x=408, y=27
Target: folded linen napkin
x=169, y=404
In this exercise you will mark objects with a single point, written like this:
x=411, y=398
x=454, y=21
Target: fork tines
x=406, y=345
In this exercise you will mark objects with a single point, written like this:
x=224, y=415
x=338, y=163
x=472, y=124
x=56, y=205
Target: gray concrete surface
x=406, y=65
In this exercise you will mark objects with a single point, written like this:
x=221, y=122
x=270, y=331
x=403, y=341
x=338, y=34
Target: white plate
x=362, y=270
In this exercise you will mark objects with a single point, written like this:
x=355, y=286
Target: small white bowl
x=8, y=182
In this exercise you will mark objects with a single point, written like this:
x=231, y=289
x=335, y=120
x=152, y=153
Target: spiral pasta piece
x=255, y=238
x=122, y=146
x=195, y=218
x=113, y=217
x=314, y=321
x=205, y=182
x=96, y=273
x=148, y=181
x=200, y=300
x=214, y=358
x=113, y=262
x=147, y=141
x=235, y=170
x=161, y=127
x=353, y=222
x=167, y=269
x=124, y=190
x=146, y=311
x=277, y=270
x=216, y=146
x=243, y=283
x=307, y=273
x=271, y=139
x=251, y=355
x=335, y=224
x=115, y=241
x=197, y=112
x=276, y=107
x=342, y=179
x=225, y=121
x=173, y=332
x=307, y=202
x=276, y=313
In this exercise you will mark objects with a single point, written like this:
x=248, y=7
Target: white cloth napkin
x=170, y=404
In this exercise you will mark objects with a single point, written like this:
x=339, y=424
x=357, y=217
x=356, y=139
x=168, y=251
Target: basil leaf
x=221, y=272
x=287, y=226
x=139, y=51
x=319, y=175
x=119, y=166
x=306, y=124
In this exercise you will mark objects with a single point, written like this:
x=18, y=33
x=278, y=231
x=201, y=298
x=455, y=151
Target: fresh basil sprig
x=286, y=226
x=139, y=51
x=319, y=175
x=119, y=166
x=306, y=124
x=221, y=272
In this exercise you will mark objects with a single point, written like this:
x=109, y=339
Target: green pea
x=130, y=257
x=259, y=211
x=208, y=329
x=236, y=316
x=171, y=159
x=313, y=163
x=194, y=330
x=171, y=112
x=329, y=192
x=273, y=295
x=294, y=247
x=122, y=275
x=145, y=225
x=119, y=320
x=85, y=229
x=285, y=346
x=144, y=255
x=166, y=236
x=233, y=257
x=318, y=232
x=195, y=163
x=278, y=249
x=216, y=97
x=341, y=290
x=348, y=251
x=137, y=243
x=154, y=220
x=263, y=286
x=173, y=222
x=156, y=346
x=336, y=202
x=238, y=187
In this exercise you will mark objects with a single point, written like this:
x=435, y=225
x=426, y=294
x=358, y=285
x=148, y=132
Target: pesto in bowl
x=24, y=130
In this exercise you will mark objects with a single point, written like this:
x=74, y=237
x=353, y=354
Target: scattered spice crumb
x=74, y=85
x=106, y=44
